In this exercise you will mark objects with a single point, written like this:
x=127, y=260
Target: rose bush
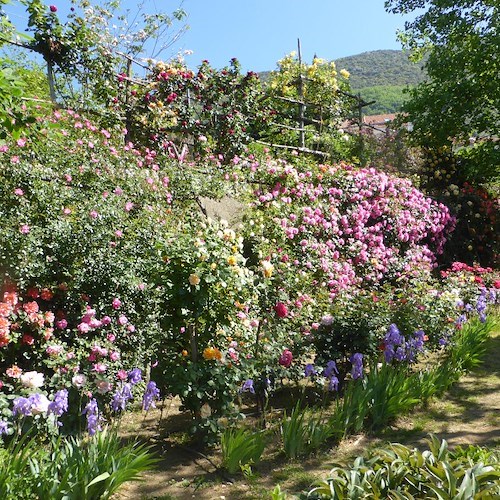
x=338, y=228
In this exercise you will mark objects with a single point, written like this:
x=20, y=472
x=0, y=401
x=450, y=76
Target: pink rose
x=83, y=327
x=61, y=324
x=122, y=320
x=100, y=367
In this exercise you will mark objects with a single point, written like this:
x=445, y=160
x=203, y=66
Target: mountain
x=381, y=67
x=382, y=76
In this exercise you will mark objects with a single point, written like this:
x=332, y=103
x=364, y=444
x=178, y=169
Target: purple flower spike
x=309, y=370
x=93, y=417
x=59, y=405
x=151, y=394
x=135, y=376
x=248, y=386
x=330, y=369
x=357, y=365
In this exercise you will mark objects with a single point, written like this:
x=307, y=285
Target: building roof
x=379, y=119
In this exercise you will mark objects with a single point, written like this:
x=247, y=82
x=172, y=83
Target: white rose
x=32, y=380
x=79, y=380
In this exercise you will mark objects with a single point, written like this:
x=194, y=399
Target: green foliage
x=389, y=99
x=459, y=101
x=469, y=344
x=241, y=448
x=397, y=471
x=294, y=432
x=13, y=118
x=390, y=392
x=277, y=494
x=15, y=462
x=71, y=468
x=304, y=431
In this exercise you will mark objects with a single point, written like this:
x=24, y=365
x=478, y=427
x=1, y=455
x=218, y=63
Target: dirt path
x=468, y=414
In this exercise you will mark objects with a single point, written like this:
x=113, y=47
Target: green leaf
x=98, y=479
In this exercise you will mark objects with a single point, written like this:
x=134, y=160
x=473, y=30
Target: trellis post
x=302, y=107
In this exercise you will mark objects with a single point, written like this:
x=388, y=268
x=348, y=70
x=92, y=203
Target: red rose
x=27, y=339
x=286, y=358
x=281, y=310
x=53, y=8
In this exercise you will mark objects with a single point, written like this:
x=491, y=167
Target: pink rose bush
x=69, y=365
x=346, y=228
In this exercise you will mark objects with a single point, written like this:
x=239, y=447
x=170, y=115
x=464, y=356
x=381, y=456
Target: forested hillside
x=382, y=76
x=381, y=67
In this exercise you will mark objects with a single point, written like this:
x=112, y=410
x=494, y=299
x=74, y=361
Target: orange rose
x=210, y=353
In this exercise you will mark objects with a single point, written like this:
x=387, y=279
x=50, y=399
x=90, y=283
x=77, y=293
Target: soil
x=469, y=414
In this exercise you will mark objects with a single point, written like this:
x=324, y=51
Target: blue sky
x=260, y=32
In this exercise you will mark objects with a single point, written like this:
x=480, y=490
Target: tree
x=458, y=106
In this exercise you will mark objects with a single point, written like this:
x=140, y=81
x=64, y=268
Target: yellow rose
x=231, y=260
x=194, y=279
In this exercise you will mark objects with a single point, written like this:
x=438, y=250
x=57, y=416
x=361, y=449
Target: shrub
x=335, y=230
